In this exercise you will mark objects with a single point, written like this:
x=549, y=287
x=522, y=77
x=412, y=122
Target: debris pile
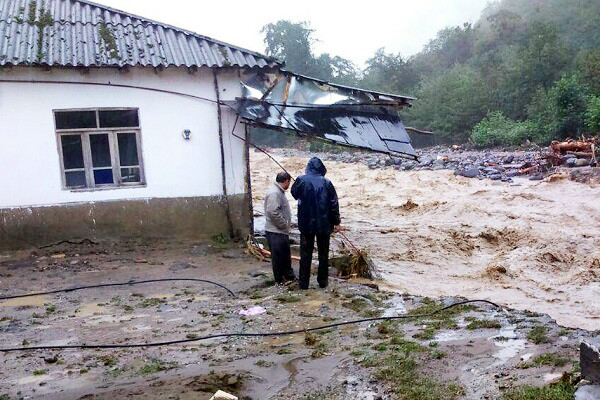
x=574, y=152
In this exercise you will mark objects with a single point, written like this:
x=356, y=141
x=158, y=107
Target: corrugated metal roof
x=81, y=33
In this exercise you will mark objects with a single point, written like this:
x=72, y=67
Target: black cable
x=115, y=284
x=259, y=334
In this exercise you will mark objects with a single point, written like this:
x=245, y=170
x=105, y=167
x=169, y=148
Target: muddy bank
x=531, y=245
x=469, y=352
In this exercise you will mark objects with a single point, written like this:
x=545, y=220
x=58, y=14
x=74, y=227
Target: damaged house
x=116, y=126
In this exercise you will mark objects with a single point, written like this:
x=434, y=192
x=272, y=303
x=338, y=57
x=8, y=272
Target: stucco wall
x=30, y=174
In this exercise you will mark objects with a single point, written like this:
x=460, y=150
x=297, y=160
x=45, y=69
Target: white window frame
x=112, y=133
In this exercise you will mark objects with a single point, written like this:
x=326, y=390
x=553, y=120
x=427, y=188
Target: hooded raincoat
x=318, y=208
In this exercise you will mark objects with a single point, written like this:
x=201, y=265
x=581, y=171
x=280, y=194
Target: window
x=99, y=148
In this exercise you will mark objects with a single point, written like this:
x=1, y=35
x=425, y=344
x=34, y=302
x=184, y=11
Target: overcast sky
x=351, y=29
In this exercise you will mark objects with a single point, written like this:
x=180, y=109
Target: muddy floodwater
x=529, y=245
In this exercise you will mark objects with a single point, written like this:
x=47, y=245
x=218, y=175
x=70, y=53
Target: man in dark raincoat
x=318, y=216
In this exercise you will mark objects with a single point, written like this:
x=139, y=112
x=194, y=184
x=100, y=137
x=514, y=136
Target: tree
x=452, y=45
x=451, y=104
x=560, y=111
x=292, y=42
x=589, y=65
x=592, y=114
x=389, y=72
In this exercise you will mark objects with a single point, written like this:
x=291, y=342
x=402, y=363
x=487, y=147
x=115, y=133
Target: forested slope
x=526, y=70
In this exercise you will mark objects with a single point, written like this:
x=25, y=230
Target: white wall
x=29, y=161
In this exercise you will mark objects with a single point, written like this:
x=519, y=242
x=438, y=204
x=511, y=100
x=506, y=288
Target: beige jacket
x=278, y=214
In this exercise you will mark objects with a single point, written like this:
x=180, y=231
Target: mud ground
x=469, y=352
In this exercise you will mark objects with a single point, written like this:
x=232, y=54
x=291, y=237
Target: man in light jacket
x=278, y=217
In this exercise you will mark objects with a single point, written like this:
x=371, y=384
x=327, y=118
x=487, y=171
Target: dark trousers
x=281, y=258
x=307, y=245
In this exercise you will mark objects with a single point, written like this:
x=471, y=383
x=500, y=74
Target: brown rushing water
x=527, y=245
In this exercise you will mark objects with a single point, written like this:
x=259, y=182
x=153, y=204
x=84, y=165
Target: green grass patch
x=400, y=344
x=407, y=383
x=538, y=334
x=287, y=298
x=547, y=359
x=39, y=372
x=108, y=360
x=483, y=324
x=559, y=391
x=357, y=304
x=439, y=320
x=150, y=302
x=155, y=365
x=221, y=241
x=264, y=363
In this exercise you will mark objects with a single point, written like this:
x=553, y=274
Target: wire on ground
x=73, y=289
x=229, y=335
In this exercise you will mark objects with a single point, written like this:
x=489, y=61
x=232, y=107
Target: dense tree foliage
x=527, y=70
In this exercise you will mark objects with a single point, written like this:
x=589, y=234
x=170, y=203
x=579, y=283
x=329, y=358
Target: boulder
x=589, y=358
x=588, y=392
x=582, y=162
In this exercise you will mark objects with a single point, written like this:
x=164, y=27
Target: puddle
x=161, y=296
x=395, y=306
x=137, y=328
x=312, y=304
x=113, y=319
x=551, y=377
x=59, y=342
x=32, y=379
x=508, y=348
x=35, y=301
x=459, y=334
x=90, y=309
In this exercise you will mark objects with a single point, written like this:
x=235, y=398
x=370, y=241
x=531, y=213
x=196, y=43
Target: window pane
x=75, y=119
x=119, y=119
x=130, y=175
x=75, y=179
x=100, y=150
x=128, y=149
x=72, y=153
x=103, y=176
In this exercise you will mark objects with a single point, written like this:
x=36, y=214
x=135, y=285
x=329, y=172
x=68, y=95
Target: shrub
x=498, y=130
x=592, y=114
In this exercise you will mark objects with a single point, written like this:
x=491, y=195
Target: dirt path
x=528, y=245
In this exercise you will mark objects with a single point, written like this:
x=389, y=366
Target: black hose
x=259, y=334
x=18, y=296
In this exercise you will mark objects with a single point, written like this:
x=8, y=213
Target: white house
x=116, y=126
x=111, y=126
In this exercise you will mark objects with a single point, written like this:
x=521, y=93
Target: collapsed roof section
x=341, y=114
